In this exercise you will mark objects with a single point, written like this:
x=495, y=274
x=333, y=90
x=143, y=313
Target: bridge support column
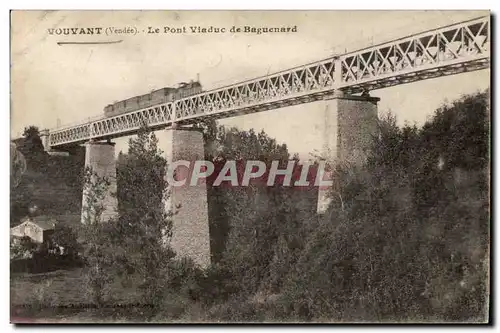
x=44, y=136
x=99, y=202
x=190, y=228
x=349, y=125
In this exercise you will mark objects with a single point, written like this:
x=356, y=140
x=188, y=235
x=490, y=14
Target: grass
x=60, y=296
x=62, y=287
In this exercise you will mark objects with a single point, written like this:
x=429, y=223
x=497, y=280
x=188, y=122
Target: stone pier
x=350, y=122
x=190, y=228
x=100, y=205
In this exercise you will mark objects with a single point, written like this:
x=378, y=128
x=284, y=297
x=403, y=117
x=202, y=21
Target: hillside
x=52, y=183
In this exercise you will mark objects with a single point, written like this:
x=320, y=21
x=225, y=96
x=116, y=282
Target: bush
x=22, y=248
x=409, y=241
x=65, y=239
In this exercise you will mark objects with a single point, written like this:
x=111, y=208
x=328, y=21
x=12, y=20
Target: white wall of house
x=30, y=230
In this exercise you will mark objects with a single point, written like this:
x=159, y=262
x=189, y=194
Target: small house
x=38, y=228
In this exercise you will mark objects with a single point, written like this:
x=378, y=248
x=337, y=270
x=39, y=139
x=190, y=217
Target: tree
x=33, y=148
x=411, y=242
x=19, y=197
x=22, y=248
x=97, y=251
x=65, y=237
x=17, y=166
x=144, y=226
x=256, y=230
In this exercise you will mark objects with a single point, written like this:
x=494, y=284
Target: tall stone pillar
x=350, y=122
x=99, y=200
x=190, y=228
x=44, y=136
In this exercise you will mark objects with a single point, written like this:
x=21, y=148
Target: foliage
x=17, y=166
x=406, y=236
x=51, y=182
x=65, y=237
x=255, y=231
x=132, y=248
x=22, y=248
x=411, y=242
x=145, y=225
x=96, y=249
x=33, y=148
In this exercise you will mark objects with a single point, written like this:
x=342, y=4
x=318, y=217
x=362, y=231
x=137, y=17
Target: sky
x=55, y=85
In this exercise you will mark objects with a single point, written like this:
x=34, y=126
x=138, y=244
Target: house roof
x=71, y=220
x=44, y=222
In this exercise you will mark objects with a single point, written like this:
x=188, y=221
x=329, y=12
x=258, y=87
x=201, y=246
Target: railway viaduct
x=339, y=84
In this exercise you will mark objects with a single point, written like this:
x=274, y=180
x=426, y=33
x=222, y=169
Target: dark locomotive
x=160, y=96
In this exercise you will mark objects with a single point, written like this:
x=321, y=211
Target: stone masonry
x=350, y=122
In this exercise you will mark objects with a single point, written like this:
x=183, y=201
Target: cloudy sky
x=52, y=84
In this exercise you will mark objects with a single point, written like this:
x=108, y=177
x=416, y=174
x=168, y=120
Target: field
x=58, y=296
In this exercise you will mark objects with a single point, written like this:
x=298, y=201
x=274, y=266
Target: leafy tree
x=22, y=248
x=19, y=197
x=255, y=230
x=97, y=251
x=51, y=182
x=411, y=239
x=17, y=166
x=65, y=237
x=33, y=148
x=144, y=225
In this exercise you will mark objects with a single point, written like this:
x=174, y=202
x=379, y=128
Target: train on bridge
x=160, y=96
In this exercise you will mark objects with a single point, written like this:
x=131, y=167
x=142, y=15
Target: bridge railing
x=444, y=51
x=314, y=77
x=453, y=45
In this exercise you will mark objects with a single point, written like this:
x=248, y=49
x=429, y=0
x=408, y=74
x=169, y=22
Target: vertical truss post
x=174, y=113
x=337, y=74
x=91, y=131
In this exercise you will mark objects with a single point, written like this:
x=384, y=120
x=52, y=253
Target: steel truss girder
x=465, y=42
x=158, y=115
x=444, y=51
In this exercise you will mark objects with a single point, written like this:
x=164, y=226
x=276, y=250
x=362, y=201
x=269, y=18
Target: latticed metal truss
x=445, y=51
